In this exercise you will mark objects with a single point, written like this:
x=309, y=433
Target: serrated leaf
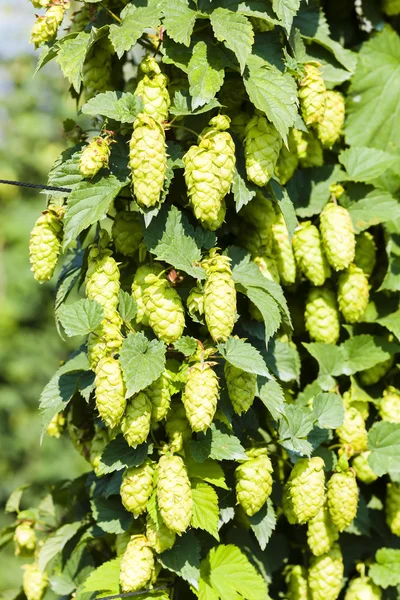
x=384, y=443
x=330, y=360
x=183, y=558
x=268, y=308
x=187, y=345
x=377, y=207
x=120, y=106
x=179, y=20
x=105, y=578
x=209, y=471
x=309, y=188
x=205, y=513
x=81, y=317
x=118, y=455
x=263, y=524
x=205, y=73
x=223, y=444
x=364, y=351
x=142, y=361
x=127, y=306
x=243, y=355
x=65, y=170
x=235, y=31
x=386, y=571
x=55, y=542
x=286, y=10
x=284, y=361
x=328, y=410
x=183, y=105
x=110, y=515
x=391, y=322
x=294, y=429
x=271, y=394
x=243, y=191
x=135, y=20
x=71, y=56
x=286, y=206
x=366, y=164
x=13, y=502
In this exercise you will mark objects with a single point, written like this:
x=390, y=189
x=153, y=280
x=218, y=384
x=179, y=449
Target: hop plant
x=337, y=236
x=102, y=280
x=309, y=254
x=306, y=487
x=283, y=251
x=152, y=89
x=105, y=340
x=141, y=282
x=342, y=498
x=362, y=468
x=46, y=27
x=392, y=506
x=241, y=386
x=288, y=160
x=296, y=579
x=99, y=442
x=135, y=424
x=321, y=532
x=110, y=391
x=219, y=296
x=137, y=564
x=363, y=588
x=312, y=95
x=164, y=309
x=177, y=426
x=287, y=505
x=160, y=397
x=239, y=123
x=353, y=294
x=365, y=252
x=56, y=426
x=45, y=243
x=224, y=150
x=389, y=407
x=330, y=127
x=201, y=395
x=137, y=487
x=97, y=69
x=81, y=18
x=94, y=156
x=195, y=302
x=309, y=149
x=25, y=539
x=254, y=481
x=352, y=433
x=34, y=582
x=127, y=232
x=147, y=160
x=174, y=494
x=268, y=267
x=160, y=537
x=262, y=146
x=376, y=373
x=321, y=316
x=325, y=575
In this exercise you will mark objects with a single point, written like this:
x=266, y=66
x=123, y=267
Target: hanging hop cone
x=34, y=582
x=201, y=395
x=363, y=588
x=152, y=89
x=97, y=70
x=100, y=440
x=362, y=468
x=392, y=507
x=102, y=280
x=174, y=493
x=262, y=146
x=325, y=575
x=309, y=149
x=306, y=486
x=352, y=434
x=177, y=426
x=365, y=253
x=137, y=565
x=350, y=401
x=46, y=27
x=135, y=424
x=283, y=251
x=321, y=532
x=137, y=487
x=309, y=254
x=376, y=373
x=110, y=391
x=389, y=407
x=160, y=538
x=241, y=386
x=330, y=127
x=288, y=160
x=127, y=232
x=259, y=216
x=254, y=481
x=224, y=160
x=321, y=316
x=45, y=243
x=94, y=156
x=219, y=296
x=312, y=95
x=337, y=236
x=164, y=309
x=24, y=539
x=195, y=302
x=56, y=426
x=160, y=397
x=342, y=498
x=105, y=340
x=139, y=285
x=297, y=584
x=80, y=19
x=353, y=294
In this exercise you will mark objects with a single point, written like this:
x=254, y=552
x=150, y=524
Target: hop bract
x=342, y=498
x=137, y=487
x=105, y=340
x=219, y=297
x=127, y=232
x=330, y=126
x=306, y=487
x=297, y=583
x=389, y=407
x=254, y=481
x=102, y=280
x=201, y=395
x=325, y=575
x=45, y=243
x=137, y=564
x=177, y=426
x=353, y=434
x=141, y=282
x=337, y=236
x=160, y=397
x=262, y=146
x=241, y=387
x=321, y=532
x=174, y=493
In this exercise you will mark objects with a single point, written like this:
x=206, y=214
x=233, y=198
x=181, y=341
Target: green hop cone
x=40, y=3
x=97, y=70
x=105, y=340
x=160, y=397
x=137, y=565
x=342, y=498
x=336, y=189
x=177, y=426
x=330, y=127
x=268, y=267
x=152, y=89
x=224, y=159
x=110, y=391
x=254, y=481
x=195, y=302
x=160, y=538
x=337, y=236
x=80, y=19
x=312, y=95
x=283, y=251
x=363, y=588
x=256, y=234
x=147, y=160
x=219, y=296
x=362, y=468
x=309, y=149
x=139, y=286
x=365, y=253
x=287, y=505
x=24, y=539
x=242, y=387
x=56, y=426
x=376, y=373
x=135, y=424
x=94, y=156
x=34, y=582
x=45, y=244
x=164, y=309
x=288, y=160
x=100, y=440
x=174, y=493
x=321, y=532
x=201, y=395
x=46, y=27
x=297, y=584
x=262, y=146
x=102, y=280
x=353, y=294
x=309, y=254
x=321, y=316
x=306, y=487
x=127, y=232
x=352, y=433
x=350, y=399
x=392, y=506
x=137, y=487
x=389, y=407
x=391, y=7
x=325, y=575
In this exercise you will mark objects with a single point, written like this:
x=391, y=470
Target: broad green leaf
x=205, y=513
x=284, y=361
x=183, y=105
x=110, y=515
x=71, y=56
x=176, y=54
x=286, y=10
x=13, y=502
x=184, y=558
x=118, y=455
x=392, y=277
x=127, y=306
x=81, y=317
x=364, y=351
x=105, y=578
x=271, y=394
x=328, y=410
x=235, y=31
x=384, y=443
x=241, y=189
x=391, y=322
x=135, y=20
x=122, y=107
x=217, y=443
x=244, y=356
x=330, y=361
x=179, y=20
x=366, y=164
x=65, y=171
x=142, y=361
x=385, y=571
x=308, y=189
x=55, y=542
x=205, y=73
x=187, y=345
x=294, y=429
x=286, y=206
x=377, y=207
x=263, y=524
x=267, y=306
x=209, y=471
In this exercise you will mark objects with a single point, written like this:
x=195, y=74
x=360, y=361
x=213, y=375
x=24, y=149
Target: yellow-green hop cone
x=361, y=405
x=106, y=340
x=137, y=565
x=262, y=146
x=127, y=232
x=45, y=27
x=222, y=144
x=391, y=7
x=56, y=426
x=110, y=391
x=174, y=493
x=321, y=316
x=97, y=70
x=34, y=582
x=100, y=440
x=389, y=407
x=352, y=433
x=306, y=486
x=139, y=286
x=321, y=532
x=309, y=149
x=45, y=244
x=201, y=395
x=102, y=280
x=177, y=427
x=135, y=424
x=160, y=397
x=152, y=89
x=242, y=387
x=287, y=505
x=342, y=498
x=392, y=507
x=312, y=95
x=309, y=253
x=283, y=251
x=297, y=584
x=325, y=575
x=137, y=487
x=219, y=297
x=254, y=481
x=288, y=160
x=268, y=267
x=336, y=189
x=376, y=373
x=353, y=294
x=362, y=468
x=24, y=539
x=338, y=237
x=365, y=253
x=147, y=160
x=40, y=3
x=330, y=128
x=160, y=539
x=94, y=156
x=363, y=588
x=80, y=19
x=195, y=302
x=164, y=309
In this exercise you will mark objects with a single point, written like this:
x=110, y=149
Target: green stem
x=110, y=12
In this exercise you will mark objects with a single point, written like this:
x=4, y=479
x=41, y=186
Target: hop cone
x=102, y=280
x=177, y=426
x=337, y=236
x=352, y=434
x=361, y=405
x=164, y=309
x=139, y=286
x=363, y=588
x=224, y=150
x=287, y=505
x=363, y=471
x=110, y=391
x=241, y=388
x=40, y=3
x=160, y=539
x=306, y=487
x=80, y=19
x=331, y=126
x=268, y=267
x=45, y=244
x=99, y=442
x=219, y=297
x=174, y=493
x=195, y=302
x=353, y=294
x=56, y=426
x=127, y=232
x=392, y=507
x=105, y=340
x=376, y=373
x=135, y=424
x=201, y=395
x=254, y=481
x=137, y=565
x=24, y=539
x=365, y=253
x=288, y=160
x=261, y=149
x=342, y=498
x=45, y=27
x=336, y=189
x=147, y=160
x=94, y=157
x=325, y=575
x=97, y=70
x=312, y=95
x=321, y=532
x=34, y=582
x=297, y=584
x=283, y=252
x=309, y=254
x=137, y=488
x=309, y=149
x=389, y=408
x=160, y=397
x=321, y=316
x=391, y=7
x=152, y=89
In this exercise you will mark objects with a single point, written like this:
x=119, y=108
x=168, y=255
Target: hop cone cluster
x=321, y=316
x=330, y=127
x=389, y=407
x=34, y=582
x=321, y=532
x=392, y=507
x=325, y=575
x=241, y=387
x=137, y=564
x=262, y=145
x=353, y=294
x=337, y=236
x=110, y=391
x=164, y=309
x=94, y=156
x=46, y=27
x=219, y=297
x=152, y=89
x=174, y=494
x=363, y=588
x=312, y=95
x=309, y=254
x=306, y=488
x=201, y=395
x=137, y=488
x=254, y=481
x=342, y=498
x=24, y=539
x=45, y=243
x=135, y=424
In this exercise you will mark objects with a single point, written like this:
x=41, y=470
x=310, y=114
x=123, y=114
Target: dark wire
x=38, y=186
x=130, y=594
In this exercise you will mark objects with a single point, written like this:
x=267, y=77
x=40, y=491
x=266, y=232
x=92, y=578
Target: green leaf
x=235, y=31
x=364, y=351
x=81, y=317
x=384, y=443
x=183, y=105
x=87, y=204
x=71, y=56
x=187, y=345
x=309, y=188
x=205, y=73
x=330, y=361
x=135, y=20
x=272, y=396
x=65, y=171
x=286, y=206
x=110, y=515
x=377, y=207
x=294, y=429
x=127, y=306
x=392, y=277
x=328, y=410
x=286, y=10
x=142, y=362
x=179, y=20
x=13, y=502
x=386, y=571
x=122, y=107
x=184, y=558
x=218, y=443
x=391, y=322
x=244, y=356
x=284, y=360
x=263, y=524
x=55, y=542
x=118, y=455
x=366, y=164
x=267, y=306
x=205, y=508
x=209, y=471
x=241, y=189
x=105, y=578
